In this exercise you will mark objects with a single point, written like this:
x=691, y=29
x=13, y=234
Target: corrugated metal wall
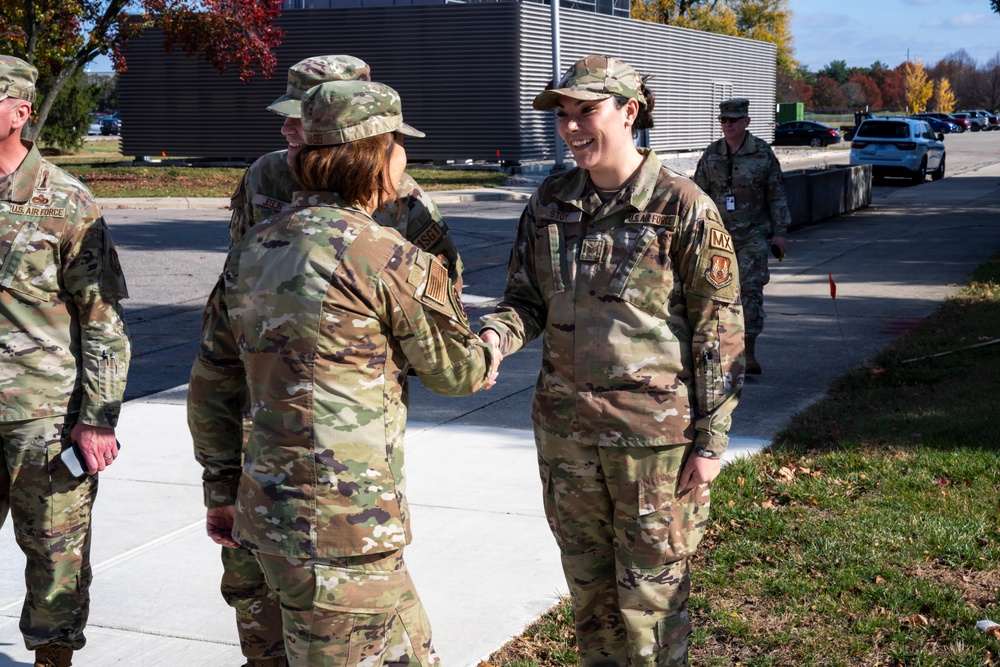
x=692, y=72
x=466, y=73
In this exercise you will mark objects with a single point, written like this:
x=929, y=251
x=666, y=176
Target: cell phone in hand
x=72, y=457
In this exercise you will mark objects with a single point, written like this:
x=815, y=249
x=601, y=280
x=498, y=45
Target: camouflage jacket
x=267, y=185
x=319, y=314
x=638, y=300
x=64, y=346
x=757, y=185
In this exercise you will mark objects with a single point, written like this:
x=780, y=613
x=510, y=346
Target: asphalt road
x=172, y=259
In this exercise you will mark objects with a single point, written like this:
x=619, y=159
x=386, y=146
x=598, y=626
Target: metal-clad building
x=466, y=73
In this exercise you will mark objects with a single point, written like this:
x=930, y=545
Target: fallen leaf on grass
x=915, y=620
x=879, y=579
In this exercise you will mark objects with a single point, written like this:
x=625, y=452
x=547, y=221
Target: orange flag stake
x=833, y=287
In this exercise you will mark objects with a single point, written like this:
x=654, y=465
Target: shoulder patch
x=719, y=273
x=720, y=240
x=436, y=286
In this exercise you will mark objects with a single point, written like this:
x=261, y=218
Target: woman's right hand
x=492, y=338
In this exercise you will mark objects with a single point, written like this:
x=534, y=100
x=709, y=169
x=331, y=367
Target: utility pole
x=559, y=165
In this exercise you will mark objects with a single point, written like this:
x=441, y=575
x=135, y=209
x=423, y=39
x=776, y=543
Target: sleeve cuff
x=220, y=494
x=710, y=446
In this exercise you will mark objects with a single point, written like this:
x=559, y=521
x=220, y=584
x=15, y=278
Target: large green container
x=790, y=111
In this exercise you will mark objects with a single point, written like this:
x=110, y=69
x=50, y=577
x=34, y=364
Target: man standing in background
x=742, y=175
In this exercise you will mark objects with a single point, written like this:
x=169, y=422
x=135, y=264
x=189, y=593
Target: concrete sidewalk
x=482, y=557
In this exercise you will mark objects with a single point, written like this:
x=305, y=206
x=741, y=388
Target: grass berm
x=868, y=534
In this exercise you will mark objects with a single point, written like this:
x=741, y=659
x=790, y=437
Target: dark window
x=884, y=130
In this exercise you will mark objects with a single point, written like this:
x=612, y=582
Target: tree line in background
x=955, y=82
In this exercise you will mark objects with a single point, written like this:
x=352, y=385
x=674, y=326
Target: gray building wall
x=466, y=73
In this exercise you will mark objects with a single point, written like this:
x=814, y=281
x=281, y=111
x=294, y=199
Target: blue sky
x=863, y=31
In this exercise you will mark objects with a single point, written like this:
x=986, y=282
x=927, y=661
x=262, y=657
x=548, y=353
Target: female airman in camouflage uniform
x=320, y=313
x=625, y=269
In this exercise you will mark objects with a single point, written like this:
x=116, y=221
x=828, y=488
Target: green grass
x=99, y=166
x=869, y=533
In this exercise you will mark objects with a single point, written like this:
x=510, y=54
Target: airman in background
x=743, y=177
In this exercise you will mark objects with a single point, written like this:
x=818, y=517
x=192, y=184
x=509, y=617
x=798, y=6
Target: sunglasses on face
x=730, y=120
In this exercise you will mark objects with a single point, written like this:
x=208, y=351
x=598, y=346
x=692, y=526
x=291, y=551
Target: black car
x=111, y=125
x=805, y=133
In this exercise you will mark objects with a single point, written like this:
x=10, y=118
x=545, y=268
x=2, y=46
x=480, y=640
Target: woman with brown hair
x=320, y=313
x=625, y=270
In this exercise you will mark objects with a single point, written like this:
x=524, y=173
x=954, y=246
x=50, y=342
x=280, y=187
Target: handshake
x=492, y=338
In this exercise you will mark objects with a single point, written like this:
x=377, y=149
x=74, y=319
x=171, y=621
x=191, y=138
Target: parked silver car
x=899, y=147
x=978, y=122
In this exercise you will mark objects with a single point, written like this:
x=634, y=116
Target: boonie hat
x=594, y=78
x=17, y=79
x=339, y=112
x=310, y=72
x=738, y=107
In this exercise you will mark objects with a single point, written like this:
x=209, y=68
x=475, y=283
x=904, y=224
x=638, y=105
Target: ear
x=21, y=113
x=631, y=110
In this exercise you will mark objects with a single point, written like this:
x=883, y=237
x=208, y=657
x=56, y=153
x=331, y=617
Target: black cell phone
x=72, y=457
x=776, y=251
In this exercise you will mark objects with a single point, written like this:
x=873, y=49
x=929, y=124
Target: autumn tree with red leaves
x=59, y=37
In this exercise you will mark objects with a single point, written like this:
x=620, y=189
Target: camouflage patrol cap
x=738, y=107
x=339, y=112
x=17, y=79
x=594, y=78
x=310, y=72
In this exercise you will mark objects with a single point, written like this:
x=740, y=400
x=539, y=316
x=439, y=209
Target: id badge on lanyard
x=730, y=203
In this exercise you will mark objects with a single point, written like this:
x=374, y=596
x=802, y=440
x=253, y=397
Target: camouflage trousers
x=752, y=257
x=51, y=513
x=625, y=536
x=258, y=613
x=344, y=612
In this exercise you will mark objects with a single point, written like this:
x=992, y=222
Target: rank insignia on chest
x=719, y=274
x=592, y=250
x=720, y=240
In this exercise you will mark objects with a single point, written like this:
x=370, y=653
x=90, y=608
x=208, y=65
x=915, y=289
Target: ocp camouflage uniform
x=761, y=212
x=320, y=313
x=267, y=185
x=638, y=301
x=64, y=355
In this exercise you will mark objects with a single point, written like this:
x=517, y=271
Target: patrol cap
x=738, y=107
x=17, y=79
x=339, y=112
x=594, y=78
x=310, y=72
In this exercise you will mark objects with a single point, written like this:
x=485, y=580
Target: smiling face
x=599, y=135
x=291, y=130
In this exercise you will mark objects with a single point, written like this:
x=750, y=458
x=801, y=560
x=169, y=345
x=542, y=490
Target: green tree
x=59, y=37
x=836, y=70
x=69, y=117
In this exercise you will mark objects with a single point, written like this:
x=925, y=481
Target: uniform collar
x=577, y=190
x=302, y=198
x=749, y=145
x=23, y=182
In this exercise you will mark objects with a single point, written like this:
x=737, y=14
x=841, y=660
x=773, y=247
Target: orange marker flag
x=163, y=153
x=833, y=287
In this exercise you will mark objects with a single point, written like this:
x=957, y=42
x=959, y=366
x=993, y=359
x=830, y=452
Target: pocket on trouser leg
x=668, y=528
x=672, y=638
x=350, y=618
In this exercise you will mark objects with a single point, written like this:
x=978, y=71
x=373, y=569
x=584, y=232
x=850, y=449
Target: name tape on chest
x=269, y=202
x=720, y=240
x=555, y=215
x=33, y=211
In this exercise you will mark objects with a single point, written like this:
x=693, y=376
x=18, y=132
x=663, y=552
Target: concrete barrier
x=820, y=194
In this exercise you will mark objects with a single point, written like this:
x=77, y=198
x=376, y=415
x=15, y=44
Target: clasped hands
x=492, y=338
